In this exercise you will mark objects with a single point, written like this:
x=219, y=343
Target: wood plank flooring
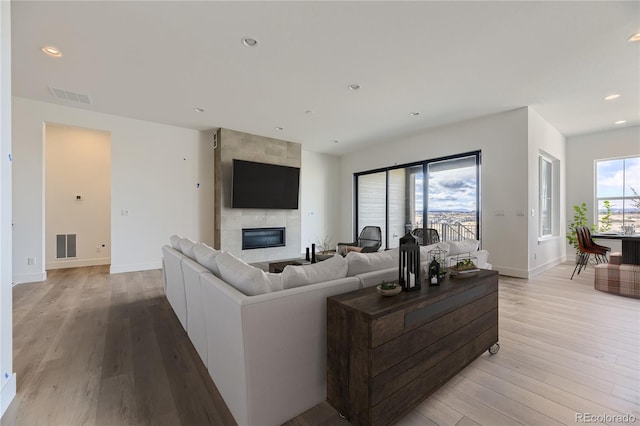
x=97, y=349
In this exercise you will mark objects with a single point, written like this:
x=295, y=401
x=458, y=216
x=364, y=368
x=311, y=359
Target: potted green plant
x=579, y=219
x=605, y=220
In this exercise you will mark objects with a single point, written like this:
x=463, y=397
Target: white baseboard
x=7, y=393
x=545, y=267
x=77, y=263
x=522, y=273
x=134, y=267
x=511, y=272
x=29, y=278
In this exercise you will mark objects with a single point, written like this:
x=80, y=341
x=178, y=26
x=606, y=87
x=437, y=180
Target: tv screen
x=264, y=186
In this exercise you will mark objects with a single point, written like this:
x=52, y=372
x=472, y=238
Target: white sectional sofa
x=265, y=352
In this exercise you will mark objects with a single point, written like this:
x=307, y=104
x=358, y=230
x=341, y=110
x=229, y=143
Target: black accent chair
x=423, y=238
x=369, y=241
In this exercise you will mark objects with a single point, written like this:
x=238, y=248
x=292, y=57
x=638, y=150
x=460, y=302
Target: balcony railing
x=454, y=231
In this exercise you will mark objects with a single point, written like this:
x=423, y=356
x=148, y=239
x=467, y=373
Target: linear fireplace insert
x=254, y=238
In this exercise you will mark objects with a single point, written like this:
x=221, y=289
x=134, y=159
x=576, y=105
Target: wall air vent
x=68, y=95
x=65, y=246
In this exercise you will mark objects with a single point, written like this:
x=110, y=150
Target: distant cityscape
x=451, y=225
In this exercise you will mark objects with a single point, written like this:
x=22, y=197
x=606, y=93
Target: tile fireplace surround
x=229, y=222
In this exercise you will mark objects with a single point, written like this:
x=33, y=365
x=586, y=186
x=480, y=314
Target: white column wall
x=503, y=140
x=155, y=170
x=547, y=253
x=7, y=376
x=319, y=199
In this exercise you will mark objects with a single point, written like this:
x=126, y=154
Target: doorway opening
x=77, y=173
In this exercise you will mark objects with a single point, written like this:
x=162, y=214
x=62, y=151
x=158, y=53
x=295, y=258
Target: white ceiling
x=449, y=61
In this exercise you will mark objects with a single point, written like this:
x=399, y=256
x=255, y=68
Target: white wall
x=319, y=198
x=582, y=151
x=7, y=377
x=155, y=169
x=78, y=163
x=546, y=253
x=503, y=140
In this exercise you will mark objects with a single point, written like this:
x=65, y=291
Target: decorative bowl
x=389, y=292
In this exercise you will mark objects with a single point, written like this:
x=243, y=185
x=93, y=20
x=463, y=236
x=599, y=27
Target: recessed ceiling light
x=198, y=110
x=612, y=97
x=414, y=114
x=52, y=51
x=308, y=111
x=620, y=122
x=250, y=42
x=278, y=128
x=634, y=38
x=334, y=141
x=354, y=86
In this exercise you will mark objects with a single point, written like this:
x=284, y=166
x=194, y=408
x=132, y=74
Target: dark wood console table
x=387, y=354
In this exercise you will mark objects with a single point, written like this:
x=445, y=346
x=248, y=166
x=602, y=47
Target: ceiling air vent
x=70, y=96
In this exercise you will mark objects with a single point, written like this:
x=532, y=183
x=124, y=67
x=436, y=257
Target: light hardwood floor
x=97, y=349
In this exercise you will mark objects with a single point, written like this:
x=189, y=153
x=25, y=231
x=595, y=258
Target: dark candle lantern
x=409, y=263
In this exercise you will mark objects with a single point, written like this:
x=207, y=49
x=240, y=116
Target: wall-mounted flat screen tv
x=264, y=186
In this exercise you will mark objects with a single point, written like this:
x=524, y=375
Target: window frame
x=548, y=195
x=424, y=164
x=622, y=199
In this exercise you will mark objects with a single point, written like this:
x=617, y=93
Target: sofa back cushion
x=206, y=256
x=465, y=246
x=360, y=263
x=243, y=277
x=331, y=269
x=186, y=247
x=175, y=242
x=425, y=251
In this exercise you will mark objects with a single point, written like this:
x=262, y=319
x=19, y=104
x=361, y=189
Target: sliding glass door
x=453, y=196
x=441, y=194
x=372, y=202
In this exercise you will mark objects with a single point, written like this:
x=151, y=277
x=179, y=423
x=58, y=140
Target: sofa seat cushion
x=360, y=263
x=206, y=256
x=245, y=278
x=299, y=275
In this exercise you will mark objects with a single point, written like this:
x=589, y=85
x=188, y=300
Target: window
x=618, y=193
x=443, y=194
x=545, y=206
x=548, y=196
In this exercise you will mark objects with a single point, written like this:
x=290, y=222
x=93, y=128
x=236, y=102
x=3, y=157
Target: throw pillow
x=175, y=242
x=186, y=247
x=331, y=269
x=206, y=256
x=359, y=263
x=245, y=278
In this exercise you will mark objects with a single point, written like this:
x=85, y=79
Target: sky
x=453, y=189
x=615, y=178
